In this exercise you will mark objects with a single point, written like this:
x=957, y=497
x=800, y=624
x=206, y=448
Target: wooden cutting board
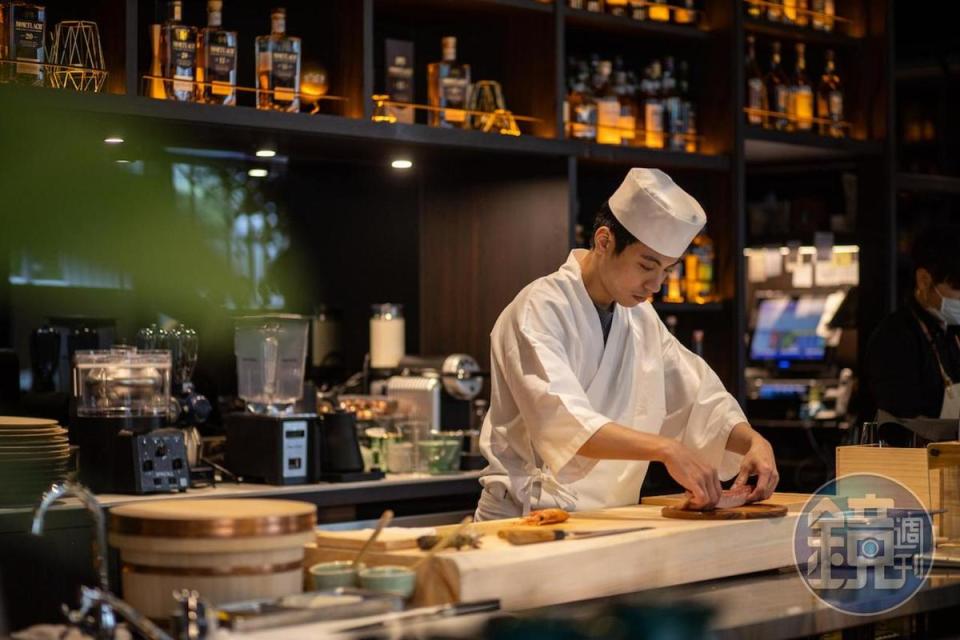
x=746, y=512
x=548, y=573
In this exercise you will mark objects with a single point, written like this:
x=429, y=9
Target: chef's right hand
x=694, y=475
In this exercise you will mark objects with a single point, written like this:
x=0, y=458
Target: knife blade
x=532, y=536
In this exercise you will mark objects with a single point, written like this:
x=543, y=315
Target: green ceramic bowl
x=330, y=575
x=390, y=579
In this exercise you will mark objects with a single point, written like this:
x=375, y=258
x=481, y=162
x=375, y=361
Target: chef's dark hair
x=937, y=249
x=605, y=218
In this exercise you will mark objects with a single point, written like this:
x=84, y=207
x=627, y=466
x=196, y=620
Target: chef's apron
x=950, y=409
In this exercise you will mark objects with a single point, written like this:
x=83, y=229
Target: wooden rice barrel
x=228, y=550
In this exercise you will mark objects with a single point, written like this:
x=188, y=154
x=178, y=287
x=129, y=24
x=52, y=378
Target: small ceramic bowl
x=390, y=579
x=330, y=575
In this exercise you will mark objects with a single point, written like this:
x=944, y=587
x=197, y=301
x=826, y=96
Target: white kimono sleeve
x=699, y=407
x=552, y=403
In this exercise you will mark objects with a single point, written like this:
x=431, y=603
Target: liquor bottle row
x=193, y=64
x=692, y=278
x=23, y=26
x=609, y=104
x=682, y=12
x=784, y=102
x=814, y=14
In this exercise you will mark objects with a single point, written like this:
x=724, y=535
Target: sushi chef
x=588, y=385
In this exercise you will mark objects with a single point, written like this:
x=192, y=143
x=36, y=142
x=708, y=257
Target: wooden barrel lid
x=238, y=518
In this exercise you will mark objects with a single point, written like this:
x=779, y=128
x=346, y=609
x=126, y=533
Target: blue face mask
x=950, y=309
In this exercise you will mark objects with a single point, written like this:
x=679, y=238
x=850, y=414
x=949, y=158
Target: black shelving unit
x=540, y=179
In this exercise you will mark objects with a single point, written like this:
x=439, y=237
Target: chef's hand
x=759, y=461
x=694, y=475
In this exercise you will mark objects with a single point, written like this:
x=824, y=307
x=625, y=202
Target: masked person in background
x=589, y=386
x=913, y=357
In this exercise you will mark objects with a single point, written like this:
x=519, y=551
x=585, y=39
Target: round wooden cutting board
x=746, y=512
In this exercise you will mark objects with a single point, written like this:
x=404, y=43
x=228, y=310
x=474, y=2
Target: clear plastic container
x=271, y=353
x=122, y=382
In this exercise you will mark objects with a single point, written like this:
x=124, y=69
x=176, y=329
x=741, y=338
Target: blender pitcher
x=271, y=353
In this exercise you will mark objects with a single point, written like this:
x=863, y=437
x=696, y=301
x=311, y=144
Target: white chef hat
x=657, y=212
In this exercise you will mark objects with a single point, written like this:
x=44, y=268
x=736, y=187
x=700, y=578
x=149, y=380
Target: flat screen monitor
x=786, y=330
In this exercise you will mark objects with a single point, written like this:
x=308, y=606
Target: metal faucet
x=106, y=620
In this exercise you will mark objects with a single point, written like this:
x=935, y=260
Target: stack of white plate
x=34, y=453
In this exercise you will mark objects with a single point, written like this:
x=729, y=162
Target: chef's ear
x=924, y=280
x=603, y=240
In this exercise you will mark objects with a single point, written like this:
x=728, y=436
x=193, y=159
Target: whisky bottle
x=823, y=15
x=278, y=66
x=697, y=346
x=801, y=95
x=803, y=15
x=775, y=10
x=830, y=100
x=608, y=105
x=582, y=123
x=653, y=108
x=828, y=10
x=756, y=89
x=617, y=7
x=698, y=267
x=778, y=91
x=217, y=53
x=686, y=13
x=691, y=135
x=595, y=6
x=658, y=11
x=24, y=28
x=674, y=115
x=673, y=285
x=754, y=10
x=178, y=55
x=627, y=124
x=448, y=83
x=638, y=9
x=790, y=11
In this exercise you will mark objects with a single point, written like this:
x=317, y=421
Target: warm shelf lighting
x=113, y=140
x=266, y=153
x=401, y=164
x=258, y=173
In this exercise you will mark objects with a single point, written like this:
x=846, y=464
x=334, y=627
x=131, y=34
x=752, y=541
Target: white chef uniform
x=555, y=382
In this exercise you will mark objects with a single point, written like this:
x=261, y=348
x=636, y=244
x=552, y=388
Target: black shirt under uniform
x=901, y=369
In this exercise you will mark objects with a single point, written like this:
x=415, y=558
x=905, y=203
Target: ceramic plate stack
x=34, y=453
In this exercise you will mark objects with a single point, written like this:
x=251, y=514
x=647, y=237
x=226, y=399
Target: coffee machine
x=441, y=390
x=122, y=407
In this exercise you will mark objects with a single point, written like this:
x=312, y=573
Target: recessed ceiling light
x=266, y=153
x=258, y=173
x=122, y=161
x=113, y=140
x=401, y=164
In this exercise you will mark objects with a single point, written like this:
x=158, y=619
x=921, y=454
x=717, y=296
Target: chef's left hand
x=759, y=461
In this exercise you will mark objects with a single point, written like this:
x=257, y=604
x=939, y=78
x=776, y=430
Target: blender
x=122, y=408
x=268, y=441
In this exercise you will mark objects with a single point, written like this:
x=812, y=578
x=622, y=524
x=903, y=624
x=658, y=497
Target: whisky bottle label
x=653, y=124
x=627, y=127
x=836, y=105
x=781, y=97
x=28, y=28
x=608, y=119
x=584, y=122
x=222, y=64
x=184, y=57
x=454, y=93
x=803, y=106
x=755, y=99
x=285, y=75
